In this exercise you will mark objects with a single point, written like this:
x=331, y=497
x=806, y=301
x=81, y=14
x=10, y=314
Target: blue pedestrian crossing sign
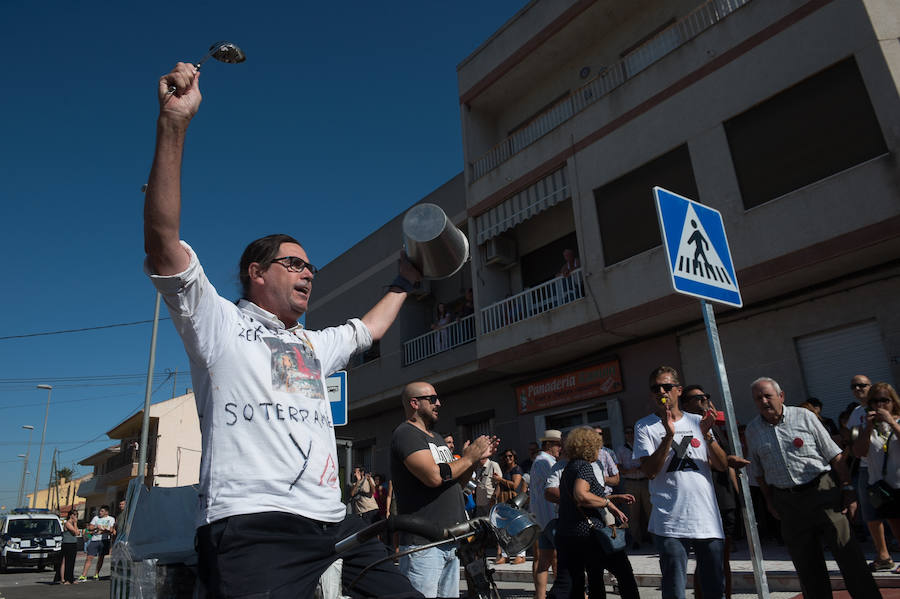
x=696, y=249
x=336, y=386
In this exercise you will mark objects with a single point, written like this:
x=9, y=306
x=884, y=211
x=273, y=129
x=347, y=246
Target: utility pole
x=51, y=477
x=37, y=474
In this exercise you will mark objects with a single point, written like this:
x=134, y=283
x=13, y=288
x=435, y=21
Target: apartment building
x=173, y=453
x=784, y=115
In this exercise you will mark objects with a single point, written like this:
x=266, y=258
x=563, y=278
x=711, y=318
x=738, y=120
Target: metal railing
x=534, y=301
x=667, y=40
x=456, y=333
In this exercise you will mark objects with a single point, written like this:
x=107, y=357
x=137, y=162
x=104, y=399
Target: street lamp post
x=37, y=476
x=30, y=430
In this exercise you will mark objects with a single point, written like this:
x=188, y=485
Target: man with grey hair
x=806, y=485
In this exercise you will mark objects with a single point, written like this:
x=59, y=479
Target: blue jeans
x=673, y=557
x=433, y=572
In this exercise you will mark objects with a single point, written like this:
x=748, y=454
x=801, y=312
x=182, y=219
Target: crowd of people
x=674, y=483
x=668, y=487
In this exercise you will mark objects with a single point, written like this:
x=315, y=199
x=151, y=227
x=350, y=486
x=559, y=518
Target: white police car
x=31, y=539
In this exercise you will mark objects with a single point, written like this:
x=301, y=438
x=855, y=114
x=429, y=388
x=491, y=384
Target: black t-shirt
x=442, y=505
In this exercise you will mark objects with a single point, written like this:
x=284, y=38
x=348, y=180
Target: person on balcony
x=570, y=263
x=571, y=286
x=442, y=318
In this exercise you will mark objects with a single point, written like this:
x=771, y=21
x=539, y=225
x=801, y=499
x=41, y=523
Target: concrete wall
x=762, y=342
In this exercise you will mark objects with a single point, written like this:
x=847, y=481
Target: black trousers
x=575, y=555
x=67, y=557
x=278, y=555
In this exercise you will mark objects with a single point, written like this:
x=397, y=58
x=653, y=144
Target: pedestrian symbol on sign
x=696, y=249
x=693, y=263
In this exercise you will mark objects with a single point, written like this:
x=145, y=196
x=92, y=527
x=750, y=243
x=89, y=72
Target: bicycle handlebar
x=401, y=523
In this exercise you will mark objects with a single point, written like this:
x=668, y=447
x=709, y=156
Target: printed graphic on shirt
x=295, y=368
x=681, y=461
x=441, y=454
x=329, y=474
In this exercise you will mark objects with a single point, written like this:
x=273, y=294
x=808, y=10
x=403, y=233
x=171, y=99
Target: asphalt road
x=28, y=583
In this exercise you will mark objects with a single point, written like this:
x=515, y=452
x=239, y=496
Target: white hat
x=551, y=434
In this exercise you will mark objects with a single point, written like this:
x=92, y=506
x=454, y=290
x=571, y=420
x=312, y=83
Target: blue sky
x=341, y=118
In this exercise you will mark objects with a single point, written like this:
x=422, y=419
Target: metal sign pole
x=712, y=334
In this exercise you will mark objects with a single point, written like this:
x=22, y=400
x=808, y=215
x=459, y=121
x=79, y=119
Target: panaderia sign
x=595, y=381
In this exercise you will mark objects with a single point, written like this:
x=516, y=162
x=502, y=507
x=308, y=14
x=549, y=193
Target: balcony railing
x=670, y=38
x=534, y=301
x=447, y=337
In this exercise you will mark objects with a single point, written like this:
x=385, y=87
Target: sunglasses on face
x=428, y=398
x=295, y=264
x=665, y=387
x=699, y=396
x=859, y=385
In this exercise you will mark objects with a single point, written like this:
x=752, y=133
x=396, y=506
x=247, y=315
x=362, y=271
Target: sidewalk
x=780, y=572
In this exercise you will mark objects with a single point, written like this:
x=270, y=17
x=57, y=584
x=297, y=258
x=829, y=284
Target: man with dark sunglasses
x=270, y=495
x=429, y=484
x=676, y=450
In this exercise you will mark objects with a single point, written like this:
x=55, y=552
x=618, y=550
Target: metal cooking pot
x=436, y=247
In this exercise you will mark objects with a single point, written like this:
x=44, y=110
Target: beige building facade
x=173, y=453
x=61, y=497
x=782, y=115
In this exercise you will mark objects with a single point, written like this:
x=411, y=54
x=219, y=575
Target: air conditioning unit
x=500, y=251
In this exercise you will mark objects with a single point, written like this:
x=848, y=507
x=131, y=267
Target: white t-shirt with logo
x=682, y=494
x=107, y=523
x=268, y=439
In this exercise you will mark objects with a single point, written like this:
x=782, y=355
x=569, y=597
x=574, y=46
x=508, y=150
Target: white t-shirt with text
x=682, y=494
x=268, y=439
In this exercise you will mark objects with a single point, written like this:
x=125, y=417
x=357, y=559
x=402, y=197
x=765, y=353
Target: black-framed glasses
x=295, y=264
x=700, y=396
x=666, y=387
x=860, y=385
x=428, y=398
x=509, y=456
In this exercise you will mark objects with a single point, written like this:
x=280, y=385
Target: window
x=364, y=454
x=543, y=263
x=475, y=425
x=817, y=128
x=629, y=200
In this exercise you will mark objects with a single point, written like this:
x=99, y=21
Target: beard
x=427, y=417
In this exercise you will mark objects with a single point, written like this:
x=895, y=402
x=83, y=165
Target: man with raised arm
x=270, y=500
x=676, y=450
x=429, y=483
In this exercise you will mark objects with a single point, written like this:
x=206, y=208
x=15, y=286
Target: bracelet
x=403, y=284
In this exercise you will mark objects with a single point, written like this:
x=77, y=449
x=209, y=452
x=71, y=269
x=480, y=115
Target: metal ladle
x=223, y=52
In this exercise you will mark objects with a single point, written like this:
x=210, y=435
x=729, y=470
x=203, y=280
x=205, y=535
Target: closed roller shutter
x=831, y=358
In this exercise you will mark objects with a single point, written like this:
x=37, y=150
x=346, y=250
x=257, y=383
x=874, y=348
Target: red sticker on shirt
x=798, y=442
x=695, y=442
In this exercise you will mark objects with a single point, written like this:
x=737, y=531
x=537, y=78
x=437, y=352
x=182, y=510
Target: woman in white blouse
x=880, y=443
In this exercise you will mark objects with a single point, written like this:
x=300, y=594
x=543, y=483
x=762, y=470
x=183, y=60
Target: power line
x=81, y=330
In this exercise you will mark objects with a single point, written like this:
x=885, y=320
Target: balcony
x=533, y=302
x=445, y=338
x=682, y=31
